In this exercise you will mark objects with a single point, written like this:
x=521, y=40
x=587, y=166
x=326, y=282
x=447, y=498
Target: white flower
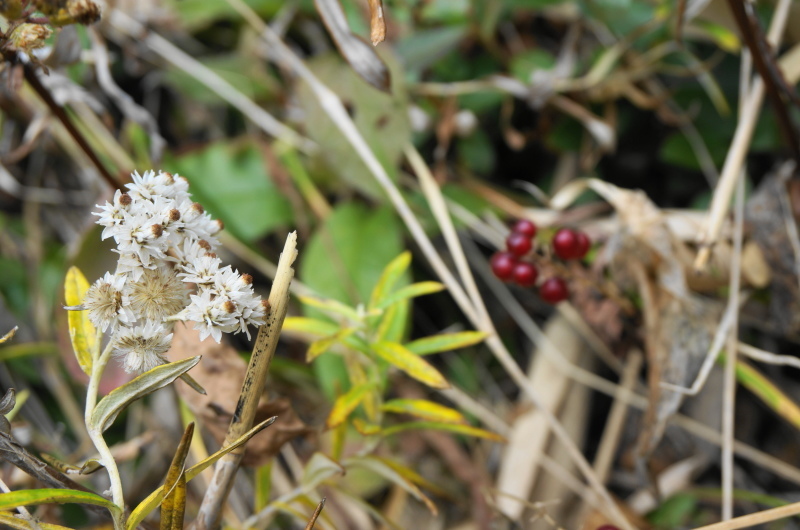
x=104, y=302
x=189, y=251
x=212, y=315
x=139, y=235
x=202, y=271
x=143, y=347
x=111, y=214
x=156, y=295
x=198, y=224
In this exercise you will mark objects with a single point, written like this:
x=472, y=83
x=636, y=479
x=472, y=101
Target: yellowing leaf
x=174, y=504
x=411, y=291
x=332, y=306
x=409, y=362
x=347, y=403
x=311, y=326
x=14, y=499
x=389, y=277
x=318, y=347
x=446, y=342
x=318, y=469
x=152, y=500
x=379, y=466
x=8, y=520
x=81, y=331
x=457, y=428
x=106, y=411
x=422, y=408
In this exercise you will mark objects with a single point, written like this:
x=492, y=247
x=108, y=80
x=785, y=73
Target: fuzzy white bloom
x=142, y=347
x=104, y=301
x=165, y=242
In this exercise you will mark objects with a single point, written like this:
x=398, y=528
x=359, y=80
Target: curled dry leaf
x=221, y=373
x=357, y=52
x=769, y=215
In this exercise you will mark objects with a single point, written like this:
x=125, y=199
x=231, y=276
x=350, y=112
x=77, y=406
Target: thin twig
x=315, y=515
x=252, y=388
x=753, y=519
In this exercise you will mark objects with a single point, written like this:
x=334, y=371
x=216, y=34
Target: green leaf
x=457, y=428
x=81, y=331
x=422, y=48
x=347, y=403
x=380, y=467
x=174, y=504
x=231, y=182
x=152, y=501
x=446, y=342
x=106, y=411
x=15, y=499
x=7, y=519
x=389, y=277
x=28, y=349
x=332, y=306
x=409, y=362
x=422, y=408
x=311, y=326
x=318, y=347
x=411, y=291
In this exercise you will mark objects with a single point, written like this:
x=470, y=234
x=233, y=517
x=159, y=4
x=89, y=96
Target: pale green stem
x=96, y=435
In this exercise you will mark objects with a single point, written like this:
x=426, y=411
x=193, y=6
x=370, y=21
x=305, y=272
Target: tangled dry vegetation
x=624, y=358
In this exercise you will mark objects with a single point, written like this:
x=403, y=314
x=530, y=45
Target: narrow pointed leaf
x=8, y=520
x=152, y=501
x=318, y=347
x=9, y=335
x=389, y=277
x=347, y=403
x=318, y=469
x=411, y=363
x=422, y=408
x=332, y=306
x=411, y=291
x=366, y=429
x=174, y=504
x=81, y=331
x=106, y=411
x=311, y=326
x=446, y=342
x=379, y=467
x=456, y=428
x=90, y=466
x=412, y=476
x=15, y=499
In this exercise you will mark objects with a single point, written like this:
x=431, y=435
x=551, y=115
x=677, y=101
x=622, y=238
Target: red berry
x=518, y=244
x=525, y=227
x=565, y=243
x=525, y=274
x=582, y=245
x=503, y=264
x=554, y=290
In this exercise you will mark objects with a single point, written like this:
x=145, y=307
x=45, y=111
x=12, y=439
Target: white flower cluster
x=165, y=243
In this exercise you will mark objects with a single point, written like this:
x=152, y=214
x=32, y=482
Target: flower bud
x=125, y=199
x=29, y=37
x=174, y=215
x=228, y=306
x=157, y=230
x=204, y=244
x=247, y=279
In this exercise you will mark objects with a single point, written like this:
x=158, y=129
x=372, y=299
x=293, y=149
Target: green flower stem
x=96, y=435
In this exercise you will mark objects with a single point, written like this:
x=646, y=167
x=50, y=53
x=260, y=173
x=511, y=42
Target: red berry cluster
x=511, y=265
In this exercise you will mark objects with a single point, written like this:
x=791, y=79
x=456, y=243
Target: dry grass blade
x=174, y=503
x=747, y=521
x=377, y=22
x=315, y=515
x=252, y=387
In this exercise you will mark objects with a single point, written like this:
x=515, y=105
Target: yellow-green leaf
x=766, y=391
x=106, y=411
x=378, y=466
x=366, y=429
x=389, y=277
x=9, y=520
x=411, y=291
x=332, y=306
x=174, y=504
x=318, y=347
x=347, y=403
x=457, y=428
x=422, y=408
x=15, y=499
x=409, y=362
x=28, y=349
x=152, y=501
x=311, y=326
x=446, y=342
x=412, y=476
x=81, y=331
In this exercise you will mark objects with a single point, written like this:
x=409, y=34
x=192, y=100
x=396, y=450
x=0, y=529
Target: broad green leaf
x=446, y=342
x=332, y=306
x=411, y=363
x=347, y=403
x=8, y=520
x=318, y=347
x=379, y=466
x=174, y=504
x=422, y=408
x=457, y=428
x=232, y=182
x=411, y=291
x=154, y=499
x=318, y=469
x=15, y=499
x=81, y=331
x=106, y=411
x=389, y=277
